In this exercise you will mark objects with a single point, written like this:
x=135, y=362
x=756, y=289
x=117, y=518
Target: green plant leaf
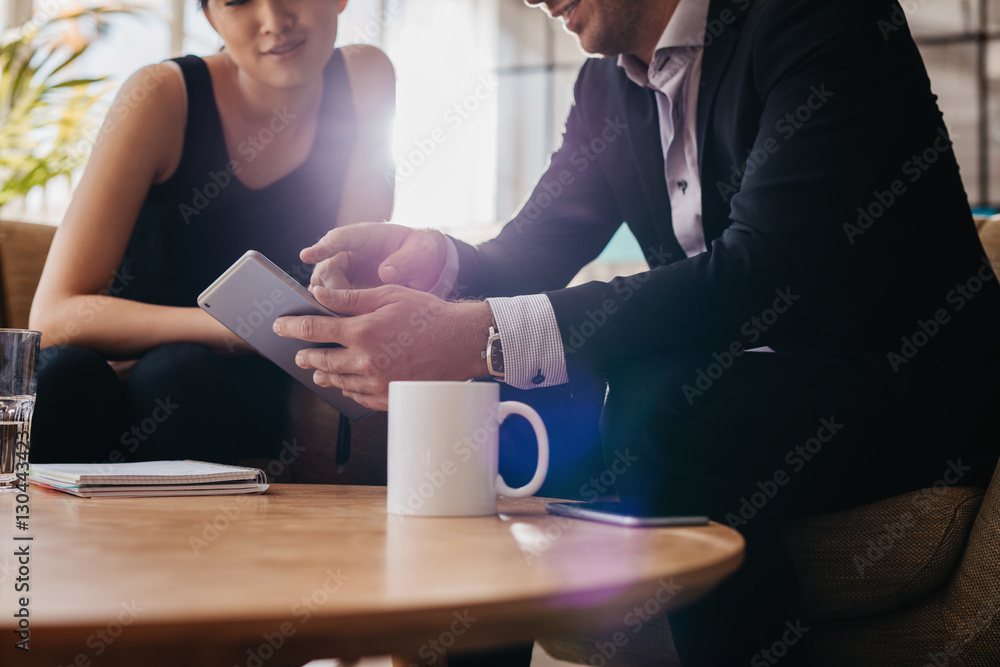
x=46, y=120
x=66, y=61
x=77, y=82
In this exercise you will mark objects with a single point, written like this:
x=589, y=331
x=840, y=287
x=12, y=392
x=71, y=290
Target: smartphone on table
x=621, y=514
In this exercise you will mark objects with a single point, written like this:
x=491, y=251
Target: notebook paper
x=147, y=478
x=143, y=472
x=155, y=490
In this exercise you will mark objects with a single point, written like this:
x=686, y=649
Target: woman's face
x=281, y=43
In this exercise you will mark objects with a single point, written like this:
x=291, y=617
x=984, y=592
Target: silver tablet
x=249, y=296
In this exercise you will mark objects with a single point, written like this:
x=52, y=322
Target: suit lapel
x=639, y=106
x=647, y=150
x=718, y=52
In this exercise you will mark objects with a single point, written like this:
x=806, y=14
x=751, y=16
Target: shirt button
x=538, y=379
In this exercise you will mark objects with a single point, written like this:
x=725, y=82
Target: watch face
x=496, y=357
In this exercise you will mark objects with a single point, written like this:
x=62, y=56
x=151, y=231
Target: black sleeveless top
x=193, y=226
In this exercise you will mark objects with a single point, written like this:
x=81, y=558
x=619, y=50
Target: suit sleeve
x=564, y=224
x=765, y=280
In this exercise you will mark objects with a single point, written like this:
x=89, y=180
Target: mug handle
x=508, y=408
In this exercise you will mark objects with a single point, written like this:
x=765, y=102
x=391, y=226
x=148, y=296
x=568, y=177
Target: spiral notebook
x=147, y=478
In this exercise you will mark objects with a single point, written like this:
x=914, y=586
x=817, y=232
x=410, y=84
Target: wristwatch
x=494, y=355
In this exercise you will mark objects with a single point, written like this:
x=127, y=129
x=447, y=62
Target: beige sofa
x=910, y=580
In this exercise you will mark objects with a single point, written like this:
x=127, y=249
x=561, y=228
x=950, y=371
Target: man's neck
x=659, y=17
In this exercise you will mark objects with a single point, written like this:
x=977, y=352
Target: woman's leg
x=79, y=410
x=186, y=402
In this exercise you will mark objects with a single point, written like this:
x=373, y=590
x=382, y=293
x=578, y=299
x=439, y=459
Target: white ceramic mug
x=443, y=448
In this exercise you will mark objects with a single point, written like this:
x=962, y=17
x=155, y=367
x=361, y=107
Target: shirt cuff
x=449, y=274
x=533, y=354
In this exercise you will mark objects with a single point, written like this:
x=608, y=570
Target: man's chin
x=596, y=49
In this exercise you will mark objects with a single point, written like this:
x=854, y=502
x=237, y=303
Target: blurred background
x=494, y=78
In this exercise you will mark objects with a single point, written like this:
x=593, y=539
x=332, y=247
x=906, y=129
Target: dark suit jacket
x=836, y=220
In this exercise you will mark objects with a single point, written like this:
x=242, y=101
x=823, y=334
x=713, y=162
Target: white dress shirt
x=529, y=333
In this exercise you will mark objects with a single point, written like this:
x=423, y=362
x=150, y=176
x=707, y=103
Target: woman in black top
x=266, y=145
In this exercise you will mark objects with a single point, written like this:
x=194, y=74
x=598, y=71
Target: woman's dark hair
x=204, y=4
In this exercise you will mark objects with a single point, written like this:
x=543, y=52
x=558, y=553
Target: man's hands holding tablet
x=392, y=331
x=371, y=254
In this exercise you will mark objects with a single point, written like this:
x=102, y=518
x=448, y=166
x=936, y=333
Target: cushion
x=881, y=556
x=314, y=432
x=23, y=248
x=989, y=234
x=959, y=624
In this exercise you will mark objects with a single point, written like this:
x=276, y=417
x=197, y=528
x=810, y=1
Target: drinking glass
x=18, y=359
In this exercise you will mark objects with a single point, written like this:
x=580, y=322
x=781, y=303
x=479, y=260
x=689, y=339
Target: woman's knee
x=64, y=371
x=175, y=367
x=178, y=355
x=79, y=411
x=68, y=362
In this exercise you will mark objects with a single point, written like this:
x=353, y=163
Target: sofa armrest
x=313, y=438
x=973, y=594
x=23, y=249
x=989, y=235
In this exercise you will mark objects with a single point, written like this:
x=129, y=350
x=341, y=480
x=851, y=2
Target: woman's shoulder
x=367, y=59
x=159, y=83
x=372, y=79
x=151, y=107
x=156, y=92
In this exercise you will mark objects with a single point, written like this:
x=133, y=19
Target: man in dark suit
x=815, y=330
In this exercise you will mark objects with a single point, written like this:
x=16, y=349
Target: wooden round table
x=309, y=571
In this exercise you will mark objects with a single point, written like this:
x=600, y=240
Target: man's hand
x=372, y=254
x=391, y=333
